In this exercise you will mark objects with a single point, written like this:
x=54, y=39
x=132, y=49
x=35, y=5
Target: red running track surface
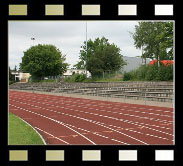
x=67, y=120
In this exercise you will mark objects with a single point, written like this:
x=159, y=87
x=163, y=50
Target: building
x=133, y=63
x=20, y=76
x=72, y=71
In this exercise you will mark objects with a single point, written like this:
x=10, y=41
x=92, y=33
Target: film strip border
x=116, y=9
x=133, y=10
x=91, y=10
x=89, y=155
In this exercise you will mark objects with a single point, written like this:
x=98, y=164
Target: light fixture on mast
x=33, y=39
x=86, y=47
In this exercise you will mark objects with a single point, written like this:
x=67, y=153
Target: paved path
x=70, y=120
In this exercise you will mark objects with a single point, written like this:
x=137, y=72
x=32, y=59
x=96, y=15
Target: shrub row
x=150, y=73
x=11, y=82
x=76, y=78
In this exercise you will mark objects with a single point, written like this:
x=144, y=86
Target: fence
x=45, y=79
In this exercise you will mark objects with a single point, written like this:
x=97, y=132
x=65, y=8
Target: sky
x=68, y=37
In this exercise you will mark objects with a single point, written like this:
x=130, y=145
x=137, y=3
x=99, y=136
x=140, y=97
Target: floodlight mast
x=33, y=39
x=86, y=37
x=86, y=48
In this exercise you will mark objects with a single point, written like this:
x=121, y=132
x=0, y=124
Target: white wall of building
x=70, y=72
x=21, y=75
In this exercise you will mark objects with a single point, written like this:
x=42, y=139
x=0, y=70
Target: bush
x=79, y=77
x=68, y=79
x=11, y=82
x=165, y=73
x=141, y=72
x=159, y=73
x=127, y=76
x=150, y=73
x=76, y=78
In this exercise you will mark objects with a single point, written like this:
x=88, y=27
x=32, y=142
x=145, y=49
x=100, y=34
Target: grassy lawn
x=22, y=134
x=112, y=78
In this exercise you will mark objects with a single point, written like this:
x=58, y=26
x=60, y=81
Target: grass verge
x=20, y=133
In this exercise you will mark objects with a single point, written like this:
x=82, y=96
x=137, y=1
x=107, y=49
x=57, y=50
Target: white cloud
x=68, y=36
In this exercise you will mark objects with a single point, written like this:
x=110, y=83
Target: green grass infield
x=20, y=133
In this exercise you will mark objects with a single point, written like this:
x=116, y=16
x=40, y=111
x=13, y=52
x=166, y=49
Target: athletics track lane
x=68, y=120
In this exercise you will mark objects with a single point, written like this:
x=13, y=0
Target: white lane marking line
x=103, y=103
x=123, y=109
x=119, y=141
x=52, y=135
x=147, y=134
x=109, y=138
x=102, y=136
x=138, y=122
x=94, y=133
x=108, y=117
x=164, y=121
x=126, y=121
x=35, y=130
x=60, y=112
x=56, y=98
x=98, y=123
x=57, y=122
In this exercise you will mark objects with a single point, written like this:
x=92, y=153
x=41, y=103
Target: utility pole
x=33, y=39
x=86, y=49
x=86, y=37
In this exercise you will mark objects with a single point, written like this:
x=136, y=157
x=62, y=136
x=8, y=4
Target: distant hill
x=132, y=63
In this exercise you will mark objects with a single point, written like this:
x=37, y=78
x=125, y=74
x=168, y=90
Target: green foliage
x=11, y=76
x=99, y=57
x=43, y=60
x=141, y=72
x=76, y=78
x=127, y=76
x=165, y=73
x=155, y=38
x=11, y=82
x=15, y=68
x=150, y=73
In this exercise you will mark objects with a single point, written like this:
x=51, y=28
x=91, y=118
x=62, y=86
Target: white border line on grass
x=34, y=130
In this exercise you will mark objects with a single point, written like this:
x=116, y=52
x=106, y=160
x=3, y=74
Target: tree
x=11, y=76
x=167, y=41
x=43, y=60
x=15, y=68
x=100, y=56
x=155, y=39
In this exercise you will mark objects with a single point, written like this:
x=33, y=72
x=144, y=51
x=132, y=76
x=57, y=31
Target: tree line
x=155, y=39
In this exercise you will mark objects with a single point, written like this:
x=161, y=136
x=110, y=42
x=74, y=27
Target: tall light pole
x=33, y=39
x=86, y=49
x=86, y=37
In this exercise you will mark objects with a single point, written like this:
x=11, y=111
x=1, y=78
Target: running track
x=67, y=120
